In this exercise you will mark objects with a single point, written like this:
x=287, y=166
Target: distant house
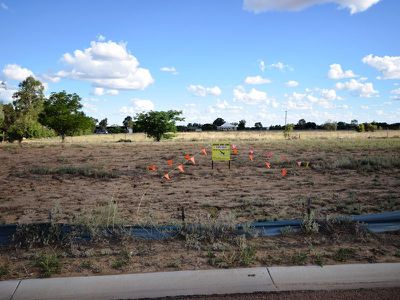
x=227, y=127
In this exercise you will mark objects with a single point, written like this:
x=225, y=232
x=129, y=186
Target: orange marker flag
x=283, y=172
x=233, y=146
x=267, y=165
x=187, y=156
x=192, y=160
x=251, y=157
x=170, y=162
x=234, y=151
x=166, y=176
x=204, y=151
x=251, y=151
x=152, y=168
x=298, y=163
x=180, y=168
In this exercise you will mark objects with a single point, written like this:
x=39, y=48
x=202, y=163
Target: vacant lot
x=342, y=174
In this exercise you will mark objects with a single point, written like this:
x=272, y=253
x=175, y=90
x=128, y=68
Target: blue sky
x=237, y=59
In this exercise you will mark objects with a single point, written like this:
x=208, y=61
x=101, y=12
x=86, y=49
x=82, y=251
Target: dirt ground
x=74, y=181
x=248, y=190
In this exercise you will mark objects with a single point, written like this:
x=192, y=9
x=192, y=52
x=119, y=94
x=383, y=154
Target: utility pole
x=285, y=118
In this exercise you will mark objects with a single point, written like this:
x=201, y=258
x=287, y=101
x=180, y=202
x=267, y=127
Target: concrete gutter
x=206, y=282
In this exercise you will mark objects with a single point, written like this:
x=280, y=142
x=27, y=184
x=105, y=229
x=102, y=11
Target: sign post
x=221, y=152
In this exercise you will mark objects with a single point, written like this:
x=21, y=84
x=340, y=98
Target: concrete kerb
x=206, y=282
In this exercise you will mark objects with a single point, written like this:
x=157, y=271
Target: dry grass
x=234, y=136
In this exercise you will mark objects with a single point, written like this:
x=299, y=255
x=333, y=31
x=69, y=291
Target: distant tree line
x=301, y=125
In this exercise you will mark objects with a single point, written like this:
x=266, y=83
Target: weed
x=287, y=230
x=4, y=270
x=397, y=254
x=310, y=224
x=299, y=258
x=343, y=254
x=72, y=170
x=121, y=261
x=174, y=264
x=48, y=264
x=319, y=260
x=87, y=264
x=247, y=253
x=124, y=141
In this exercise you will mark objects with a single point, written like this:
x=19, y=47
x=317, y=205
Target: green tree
x=29, y=98
x=62, y=113
x=258, y=126
x=157, y=123
x=9, y=117
x=128, y=122
x=218, y=122
x=287, y=131
x=242, y=125
x=103, y=124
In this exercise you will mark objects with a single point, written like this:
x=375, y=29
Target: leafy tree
x=157, y=123
x=242, y=125
x=208, y=127
x=128, y=122
x=287, y=131
x=29, y=98
x=218, y=122
x=9, y=117
x=103, y=124
x=258, y=126
x=329, y=125
x=62, y=113
x=360, y=127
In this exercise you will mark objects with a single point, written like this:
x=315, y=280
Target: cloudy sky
x=236, y=59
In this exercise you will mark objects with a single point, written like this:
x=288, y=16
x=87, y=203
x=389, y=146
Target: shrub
x=48, y=264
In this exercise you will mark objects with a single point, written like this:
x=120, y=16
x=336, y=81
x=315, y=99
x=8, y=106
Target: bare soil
x=33, y=183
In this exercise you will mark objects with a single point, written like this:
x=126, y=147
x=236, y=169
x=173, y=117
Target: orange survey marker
x=187, y=156
x=235, y=151
x=251, y=157
x=267, y=165
x=166, y=176
x=251, y=152
x=180, y=168
x=204, y=151
x=152, y=168
x=192, y=160
x=298, y=163
x=283, y=172
x=170, y=162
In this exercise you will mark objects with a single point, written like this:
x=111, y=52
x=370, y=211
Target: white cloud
x=291, y=83
x=321, y=97
x=139, y=105
x=202, y=91
x=16, y=72
x=261, y=65
x=252, y=97
x=171, y=70
x=388, y=65
x=50, y=78
x=98, y=91
x=336, y=72
x=360, y=89
x=364, y=107
x=257, y=6
x=395, y=93
x=101, y=38
x=107, y=65
x=223, y=106
x=6, y=94
x=89, y=107
x=3, y=6
x=281, y=66
x=256, y=80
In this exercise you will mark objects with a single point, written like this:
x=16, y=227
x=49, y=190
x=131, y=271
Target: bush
x=48, y=264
